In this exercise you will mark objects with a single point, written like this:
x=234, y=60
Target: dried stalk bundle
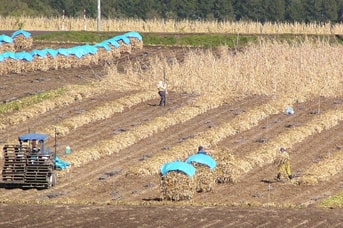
x=116, y=52
x=15, y=66
x=225, y=171
x=52, y=62
x=5, y=47
x=103, y=55
x=124, y=48
x=281, y=159
x=27, y=66
x=177, y=186
x=40, y=63
x=4, y=69
x=136, y=43
x=63, y=61
x=74, y=61
x=204, y=178
x=22, y=43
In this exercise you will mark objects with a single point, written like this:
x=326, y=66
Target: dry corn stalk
x=177, y=186
x=22, y=43
x=204, y=178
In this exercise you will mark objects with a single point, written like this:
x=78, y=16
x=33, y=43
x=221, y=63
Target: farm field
x=119, y=185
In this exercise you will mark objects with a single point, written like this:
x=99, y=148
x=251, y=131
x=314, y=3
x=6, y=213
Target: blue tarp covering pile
x=202, y=159
x=21, y=32
x=78, y=51
x=134, y=35
x=6, y=39
x=60, y=164
x=178, y=166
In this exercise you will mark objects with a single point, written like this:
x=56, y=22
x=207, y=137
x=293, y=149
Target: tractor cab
x=36, y=142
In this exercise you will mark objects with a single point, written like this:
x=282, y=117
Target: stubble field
x=119, y=185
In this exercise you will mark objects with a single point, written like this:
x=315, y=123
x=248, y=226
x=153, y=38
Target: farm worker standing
x=283, y=164
x=162, y=91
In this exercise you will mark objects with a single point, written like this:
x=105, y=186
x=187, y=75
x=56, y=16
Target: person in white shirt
x=162, y=91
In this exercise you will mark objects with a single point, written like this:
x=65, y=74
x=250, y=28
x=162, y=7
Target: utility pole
x=99, y=15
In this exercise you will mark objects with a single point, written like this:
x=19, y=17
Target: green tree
x=223, y=10
x=274, y=10
x=295, y=11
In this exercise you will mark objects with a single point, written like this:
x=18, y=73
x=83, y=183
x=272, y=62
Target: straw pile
x=177, y=186
x=22, y=43
x=204, y=178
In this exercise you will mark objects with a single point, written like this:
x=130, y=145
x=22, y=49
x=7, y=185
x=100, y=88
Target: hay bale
x=176, y=186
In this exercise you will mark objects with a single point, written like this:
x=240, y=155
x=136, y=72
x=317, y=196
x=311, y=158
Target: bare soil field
x=102, y=194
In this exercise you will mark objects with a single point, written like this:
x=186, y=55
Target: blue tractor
x=29, y=164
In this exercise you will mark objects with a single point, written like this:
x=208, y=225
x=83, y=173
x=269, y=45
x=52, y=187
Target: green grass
x=16, y=105
x=165, y=39
x=334, y=201
x=75, y=36
x=204, y=40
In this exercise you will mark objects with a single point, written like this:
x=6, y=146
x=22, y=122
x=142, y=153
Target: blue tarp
x=80, y=51
x=63, y=51
x=113, y=42
x=202, y=159
x=178, y=166
x=41, y=53
x=51, y=52
x=134, y=35
x=60, y=164
x=8, y=54
x=122, y=38
x=32, y=136
x=5, y=38
x=23, y=56
x=103, y=45
x=21, y=32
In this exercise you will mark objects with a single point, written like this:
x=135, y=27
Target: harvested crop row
x=99, y=113
x=211, y=137
x=266, y=153
x=70, y=94
x=125, y=139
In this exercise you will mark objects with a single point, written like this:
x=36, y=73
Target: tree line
x=308, y=11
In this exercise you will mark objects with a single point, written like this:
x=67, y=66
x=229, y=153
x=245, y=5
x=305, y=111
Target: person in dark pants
x=162, y=91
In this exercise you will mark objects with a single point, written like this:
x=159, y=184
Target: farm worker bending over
x=202, y=150
x=162, y=91
x=283, y=164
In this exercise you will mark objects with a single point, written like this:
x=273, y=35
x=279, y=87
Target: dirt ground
x=110, y=198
